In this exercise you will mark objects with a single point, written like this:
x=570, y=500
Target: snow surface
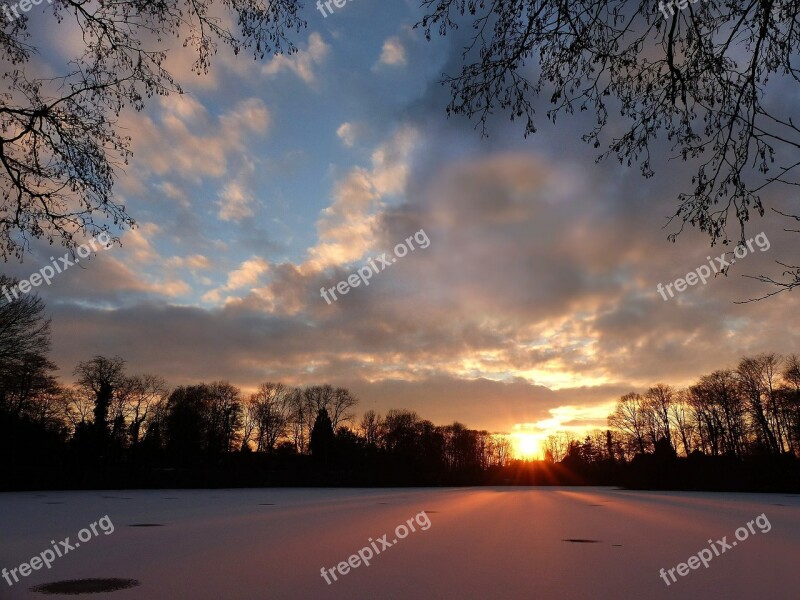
x=482, y=543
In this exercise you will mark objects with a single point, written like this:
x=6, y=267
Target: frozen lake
x=549, y=543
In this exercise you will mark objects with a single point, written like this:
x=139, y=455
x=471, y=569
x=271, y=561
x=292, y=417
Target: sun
x=527, y=446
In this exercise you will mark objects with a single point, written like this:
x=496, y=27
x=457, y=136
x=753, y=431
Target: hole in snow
x=85, y=586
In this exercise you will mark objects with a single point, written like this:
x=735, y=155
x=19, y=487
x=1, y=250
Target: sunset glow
x=528, y=446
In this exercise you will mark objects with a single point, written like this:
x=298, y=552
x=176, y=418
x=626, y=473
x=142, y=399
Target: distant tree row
x=110, y=408
x=751, y=410
x=403, y=433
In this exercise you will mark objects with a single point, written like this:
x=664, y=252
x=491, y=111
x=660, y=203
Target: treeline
x=734, y=429
x=751, y=410
x=111, y=427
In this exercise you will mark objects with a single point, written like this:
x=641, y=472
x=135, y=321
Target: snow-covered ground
x=481, y=543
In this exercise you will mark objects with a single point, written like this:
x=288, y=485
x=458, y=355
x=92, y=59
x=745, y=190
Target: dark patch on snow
x=581, y=541
x=85, y=586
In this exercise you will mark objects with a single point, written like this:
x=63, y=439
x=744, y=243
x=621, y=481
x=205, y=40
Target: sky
x=533, y=307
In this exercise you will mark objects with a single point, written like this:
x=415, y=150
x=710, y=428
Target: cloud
x=245, y=277
x=199, y=145
x=393, y=53
x=193, y=262
x=531, y=278
x=346, y=228
x=173, y=192
x=506, y=289
x=234, y=202
x=247, y=274
x=347, y=132
x=302, y=63
x=248, y=115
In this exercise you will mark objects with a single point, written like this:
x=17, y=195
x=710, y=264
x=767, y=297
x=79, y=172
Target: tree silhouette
x=25, y=371
x=322, y=438
x=59, y=142
x=268, y=411
x=142, y=393
x=698, y=77
x=186, y=423
x=102, y=377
